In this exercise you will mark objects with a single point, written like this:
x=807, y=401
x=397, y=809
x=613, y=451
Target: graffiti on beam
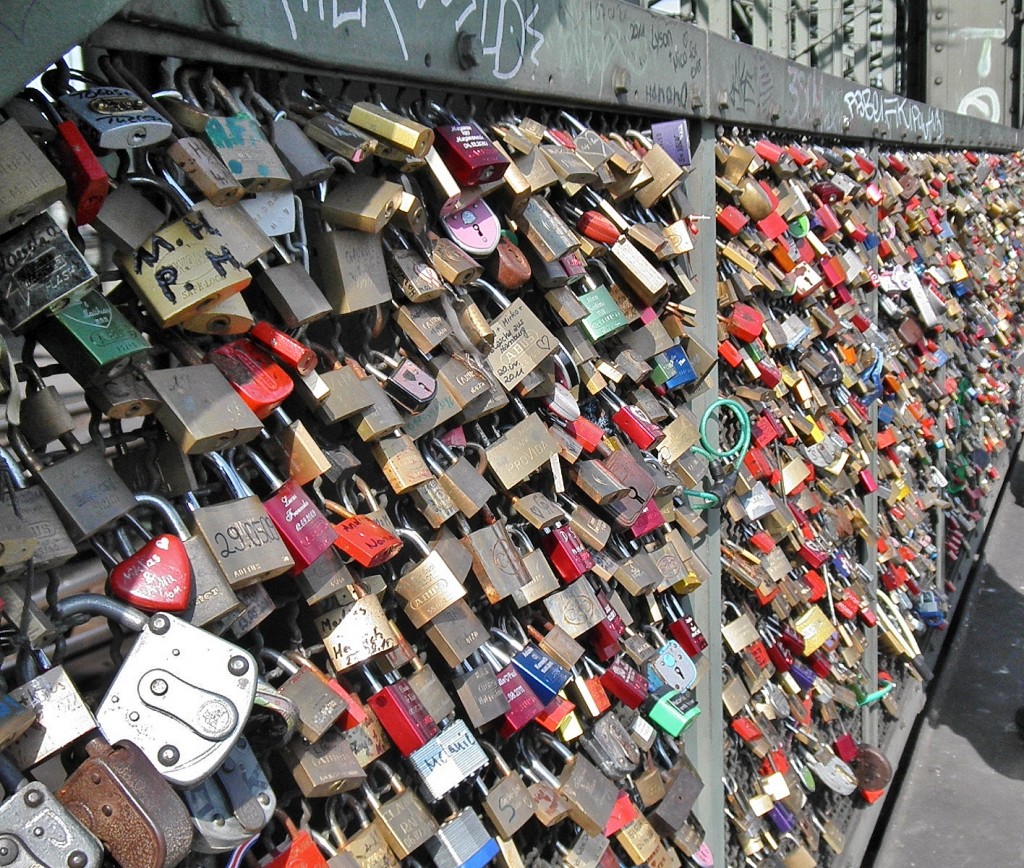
x=664, y=62
x=897, y=113
x=508, y=29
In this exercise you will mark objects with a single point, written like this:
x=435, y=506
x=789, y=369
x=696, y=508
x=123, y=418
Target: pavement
x=961, y=797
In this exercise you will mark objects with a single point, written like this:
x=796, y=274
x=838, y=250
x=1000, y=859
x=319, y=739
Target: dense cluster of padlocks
x=868, y=307
x=394, y=478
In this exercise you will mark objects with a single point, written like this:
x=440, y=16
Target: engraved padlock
x=239, y=532
x=233, y=804
x=182, y=695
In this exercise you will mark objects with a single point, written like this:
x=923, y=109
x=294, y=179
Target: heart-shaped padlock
x=157, y=578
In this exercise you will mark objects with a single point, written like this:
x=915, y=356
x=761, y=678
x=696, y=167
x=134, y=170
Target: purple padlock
x=802, y=674
x=674, y=137
x=782, y=819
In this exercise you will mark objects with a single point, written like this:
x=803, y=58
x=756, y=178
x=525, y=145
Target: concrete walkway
x=961, y=801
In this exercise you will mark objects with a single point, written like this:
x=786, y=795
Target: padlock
x=430, y=587
x=356, y=632
x=362, y=202
x=30, y=524
x=115, y=118
x=326, y=768
x=61, y=715
x=186, y=744
x=304, y=530
x=29, y=183
x=185, y=267
x=403, y=820
x=462, y=840
x=120, y=797
x=301, y=850
x=590, y=795
x=303, y=160
x=91, y=338
x=361, y=538
x=241, y=535
x=40, y=271
x=542, y=579
x=155, y=578
x=83, y=488
x=401, y=132
x=447, y=760
x=401, y=713
x=497, y=564
x=232, y=805
x=350, y=269
x=416, y=278
x=317, y=705
x=405, y=382
x=38, y=829
x=260, y=382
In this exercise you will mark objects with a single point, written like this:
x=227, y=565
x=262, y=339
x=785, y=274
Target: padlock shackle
x=262, y=467
x=96, y=604
x=408, y=535
x=11, y=777
x=13, y=468
x=554, y=744
x=166, y=510
x=270, y=698
x=236, y=486
x=279, y=660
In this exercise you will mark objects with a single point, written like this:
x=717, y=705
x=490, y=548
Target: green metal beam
x=35, y=32
x=599, y=53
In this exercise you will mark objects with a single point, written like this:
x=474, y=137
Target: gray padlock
x=232, y=805
x=182, y=695
x=37, y=830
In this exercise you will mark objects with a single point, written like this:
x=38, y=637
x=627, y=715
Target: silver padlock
x=37, y=830
x=182, y=695
x=449, y=758
x=62, y=716
x=233, y=804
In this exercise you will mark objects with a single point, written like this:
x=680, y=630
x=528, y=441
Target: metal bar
x=600, y=53
x=780, y=13
x=887, y=40
x=801, y=20
x=35, y=33
x=760, y=25
x=860, y=22
x=828, y=37
x=705, y=739
x=871, y=717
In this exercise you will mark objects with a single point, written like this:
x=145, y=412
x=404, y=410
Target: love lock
x=232, y=805
x=182, y=695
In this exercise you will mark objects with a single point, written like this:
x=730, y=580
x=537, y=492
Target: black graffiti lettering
x=152, y=256
x=166, y=278
x=218, y=260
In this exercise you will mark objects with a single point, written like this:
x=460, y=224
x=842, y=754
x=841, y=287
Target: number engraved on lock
x=244, y=535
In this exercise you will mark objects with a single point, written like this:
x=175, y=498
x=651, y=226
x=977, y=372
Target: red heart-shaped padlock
x=157, y=578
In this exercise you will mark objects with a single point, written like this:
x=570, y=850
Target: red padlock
x=401, y=713
x=156, y=578
x=88, y=182
x=304, y=530
x=632, y=422
x=744, y=323
x=295, y=354
x=469, y=154
x=624, y=683
x=567, y=553
x=595, y=226
x=361, y=538
x=260, y=381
